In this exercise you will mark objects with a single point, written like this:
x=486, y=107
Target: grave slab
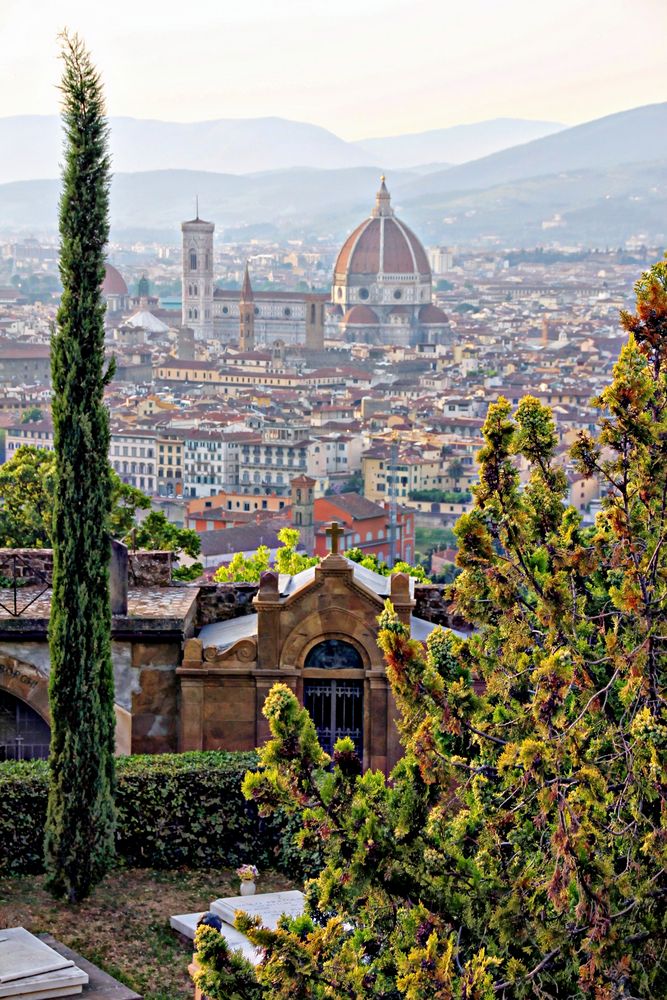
x=100, y=986
x=50, y=993
x=23, y=955
x=62, y=982
x=268, y=905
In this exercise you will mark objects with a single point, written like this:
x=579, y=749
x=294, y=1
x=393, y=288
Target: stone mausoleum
x=193, y=665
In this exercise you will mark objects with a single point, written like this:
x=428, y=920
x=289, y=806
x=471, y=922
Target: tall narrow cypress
x=79, y=839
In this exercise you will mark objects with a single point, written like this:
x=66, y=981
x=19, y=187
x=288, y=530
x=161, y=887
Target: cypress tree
x=79, y=839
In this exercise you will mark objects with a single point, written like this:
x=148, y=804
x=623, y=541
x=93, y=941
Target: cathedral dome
x=114, y=283
x=382, y=245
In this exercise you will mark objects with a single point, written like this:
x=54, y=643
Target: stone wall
x=432, y=605
x=34, y=567
x=30, y=566
x=221, y=601
x=150, y=569
x=218, y=602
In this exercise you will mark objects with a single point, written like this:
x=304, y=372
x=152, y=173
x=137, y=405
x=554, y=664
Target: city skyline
x=392, y=67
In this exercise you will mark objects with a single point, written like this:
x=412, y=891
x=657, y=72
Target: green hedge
x=173, y=810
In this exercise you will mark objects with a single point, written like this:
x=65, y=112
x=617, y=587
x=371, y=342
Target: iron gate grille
x=337, y=709
x=23, y=734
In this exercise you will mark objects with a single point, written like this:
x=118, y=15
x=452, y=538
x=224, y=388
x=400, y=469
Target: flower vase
x=247, y=887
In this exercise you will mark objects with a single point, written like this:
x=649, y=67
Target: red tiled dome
x=361, y=315
x=382, y=245
x=432, y=314
x=402, y=253
x=113, y=283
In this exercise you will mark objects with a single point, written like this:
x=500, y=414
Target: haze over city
x=360, y=69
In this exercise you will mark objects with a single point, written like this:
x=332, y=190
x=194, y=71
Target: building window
x=193, y=260
x=363, y=293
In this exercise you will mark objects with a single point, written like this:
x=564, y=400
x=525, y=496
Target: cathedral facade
x=216, y=314
x=381, y=291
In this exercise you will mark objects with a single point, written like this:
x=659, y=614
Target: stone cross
x=334, y=531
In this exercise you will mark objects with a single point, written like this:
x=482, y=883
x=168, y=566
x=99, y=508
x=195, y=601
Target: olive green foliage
x=27, y=488
x=248, y=569
x=173, y=810
x=371, y=561
x=32, y=414
x=27, y=482
x=223, y=972
x=520, y=848
x=441, y=496
x=79, y=841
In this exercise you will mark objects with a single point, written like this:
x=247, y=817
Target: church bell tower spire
x=246, y=314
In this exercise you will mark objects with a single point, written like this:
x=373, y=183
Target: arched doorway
x=24, y=735
x=335, y=704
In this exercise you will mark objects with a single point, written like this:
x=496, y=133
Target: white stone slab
x=186, y=924
x=268, y=905
x=22, y=955
x=46, y=984
x=50, y=993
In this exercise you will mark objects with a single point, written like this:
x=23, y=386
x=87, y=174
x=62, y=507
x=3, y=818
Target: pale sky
x=358, y=67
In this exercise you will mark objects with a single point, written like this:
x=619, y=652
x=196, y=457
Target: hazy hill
x=596, y=207
x=157, y=201
x=606, y=180
x=457, y=144
x=235, y=146
x=248, y=145
x=626, y=137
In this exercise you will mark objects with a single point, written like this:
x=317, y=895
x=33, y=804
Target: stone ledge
x=101, y=986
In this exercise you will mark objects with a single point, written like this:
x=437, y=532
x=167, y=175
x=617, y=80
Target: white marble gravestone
x=268, y=905
x=31, y=970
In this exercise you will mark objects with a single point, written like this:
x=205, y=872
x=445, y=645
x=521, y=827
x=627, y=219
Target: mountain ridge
x=241, y=145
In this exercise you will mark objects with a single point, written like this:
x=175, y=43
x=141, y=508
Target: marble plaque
x=23, y=955
x=267, y=905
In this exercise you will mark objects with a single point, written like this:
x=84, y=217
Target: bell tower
x=303, y=511
x=197, y=276
x=246, y=314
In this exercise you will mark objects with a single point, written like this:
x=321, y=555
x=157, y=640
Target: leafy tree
x=288, y=560
x=370, y=560
x=27, y=483
x=248, y=569
x=32, y=414
x=27, y=487
x=245, y=569
x=126, y=500
x=79, y=841
x=520, y=848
